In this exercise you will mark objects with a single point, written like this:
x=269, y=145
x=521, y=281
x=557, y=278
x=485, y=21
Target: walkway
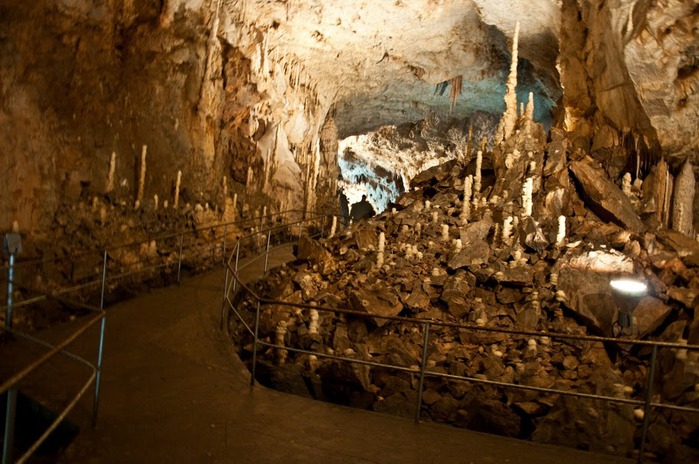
x=175, y=391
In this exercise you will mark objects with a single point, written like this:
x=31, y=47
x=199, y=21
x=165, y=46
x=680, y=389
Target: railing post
x=225, y=230
x=254, y=344
x=225, y=294
x=647, y=406
x=237, y=258
x=269, y=236
x=12, y=392
x=100, y=349
x=179, y=260
x=423, y=365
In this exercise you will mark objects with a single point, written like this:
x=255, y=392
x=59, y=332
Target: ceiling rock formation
x=259, y=91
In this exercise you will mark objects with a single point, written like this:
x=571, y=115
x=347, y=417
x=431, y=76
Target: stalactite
x=456, y=88
x=155, y=202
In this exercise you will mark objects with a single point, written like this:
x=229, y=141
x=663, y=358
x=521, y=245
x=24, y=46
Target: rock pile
x=510, y=263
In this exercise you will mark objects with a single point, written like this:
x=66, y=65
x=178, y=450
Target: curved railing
x=10, y=385
x=218, y=239
x=234, y=283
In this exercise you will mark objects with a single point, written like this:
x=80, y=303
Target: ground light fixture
x=627, y=292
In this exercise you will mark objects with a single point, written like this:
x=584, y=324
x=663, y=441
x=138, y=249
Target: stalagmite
x=661, y=191
x=626, y=184
x=333, y=227
x=529, y=112
x=477, y=180
x=165, y=204
x=110, y=173
x=235, y=204
x=249, y=179
x=507, y=231
x=458, y=245
x=155, y=202
x=536, y=304
x=561, y=235
x=178, y=182
x=466, y=206
x=280, y=334
x=683, y=201
x=142, y=177
x=380, y=255
x=225, y=193
x=313, y=325
x=103, y=215
x=427, y=205
x=509, y=117
x=527, y=202
x=435, y=217
x=445, y=232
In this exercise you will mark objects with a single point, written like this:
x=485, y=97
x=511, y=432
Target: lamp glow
x=629, y=287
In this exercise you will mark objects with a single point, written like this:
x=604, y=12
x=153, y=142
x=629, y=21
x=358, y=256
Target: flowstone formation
x=525, y=236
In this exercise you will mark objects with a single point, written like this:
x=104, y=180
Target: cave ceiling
x=380, y=62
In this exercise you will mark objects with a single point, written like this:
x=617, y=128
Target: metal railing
x=9, y=386
x=235, y=284
x=217, y=241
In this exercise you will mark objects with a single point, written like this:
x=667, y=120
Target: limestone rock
x=377, y=302
x=588, y=295
x=603, y=194
x=649, y=314
x=476, y=253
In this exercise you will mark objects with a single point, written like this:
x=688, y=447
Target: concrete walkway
x=175, y=391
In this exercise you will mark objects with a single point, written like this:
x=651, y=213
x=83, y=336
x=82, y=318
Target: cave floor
x=174, y=390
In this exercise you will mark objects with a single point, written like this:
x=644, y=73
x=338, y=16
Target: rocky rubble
x=526, y=237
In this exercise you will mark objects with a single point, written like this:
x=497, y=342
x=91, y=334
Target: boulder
x=649, y=314
x=455, y=294
x=474, y=254
x=383, y=302
x=588, y=295
x=604, y=197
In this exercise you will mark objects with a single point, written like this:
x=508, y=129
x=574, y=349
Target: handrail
x=165, y=236
x=647, y=403
x=99, y=315
x=242, y=223
x=9, y=385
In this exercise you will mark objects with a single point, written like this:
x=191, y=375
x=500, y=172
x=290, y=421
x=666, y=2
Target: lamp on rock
x=627, y=292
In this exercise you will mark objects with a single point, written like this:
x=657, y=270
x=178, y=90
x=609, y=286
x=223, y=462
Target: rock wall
x=189, y=80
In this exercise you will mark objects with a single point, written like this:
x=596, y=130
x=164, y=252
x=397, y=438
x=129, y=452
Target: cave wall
x=628, y=70
x=83, y=80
